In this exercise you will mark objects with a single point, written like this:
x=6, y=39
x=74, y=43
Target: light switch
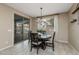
x=9, y=30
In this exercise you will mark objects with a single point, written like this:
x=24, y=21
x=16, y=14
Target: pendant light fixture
x=41, y=12
x=44, y=20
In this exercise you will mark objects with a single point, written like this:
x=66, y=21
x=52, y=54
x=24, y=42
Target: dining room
x=44, y=30
x=36, y=29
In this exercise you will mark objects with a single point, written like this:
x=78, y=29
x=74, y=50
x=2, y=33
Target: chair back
x=34, y=36
x=29, y=35
x=53, y=37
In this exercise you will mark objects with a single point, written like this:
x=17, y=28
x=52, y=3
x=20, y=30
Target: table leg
x=43, y=45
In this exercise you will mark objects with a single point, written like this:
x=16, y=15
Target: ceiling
x=33, y=9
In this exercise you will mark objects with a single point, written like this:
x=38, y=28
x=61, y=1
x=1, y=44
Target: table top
x=44, y=36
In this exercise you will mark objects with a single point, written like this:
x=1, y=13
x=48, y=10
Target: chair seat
x=50, y=44
x=49, y=41
x=36, y=43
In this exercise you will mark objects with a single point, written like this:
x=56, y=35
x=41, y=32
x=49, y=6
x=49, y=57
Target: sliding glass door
x=21, y=28
x=26, y=28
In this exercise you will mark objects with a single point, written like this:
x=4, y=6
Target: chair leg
x=37, y=50
x=53, y=46
x=37, y=47
x=28, y=42
x=31, y=47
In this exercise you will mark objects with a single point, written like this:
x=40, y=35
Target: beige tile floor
x=23, y=48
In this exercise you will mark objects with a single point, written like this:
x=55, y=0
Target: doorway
x=21, y=28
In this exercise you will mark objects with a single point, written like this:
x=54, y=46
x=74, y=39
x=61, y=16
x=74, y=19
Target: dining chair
x=34, y=41
x=29, y=36
x=50, y=43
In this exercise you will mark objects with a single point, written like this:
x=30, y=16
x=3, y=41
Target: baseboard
x=73, y=47
x=61, y=41
x=5, y=48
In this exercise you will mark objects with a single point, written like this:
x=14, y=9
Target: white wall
x=33, y=25
x=74, y=29
x=6, y=17
x=61, y=27
x=7, y=26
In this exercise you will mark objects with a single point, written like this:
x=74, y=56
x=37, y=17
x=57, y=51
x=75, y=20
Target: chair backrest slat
x=53, y=37
x=34, y=36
